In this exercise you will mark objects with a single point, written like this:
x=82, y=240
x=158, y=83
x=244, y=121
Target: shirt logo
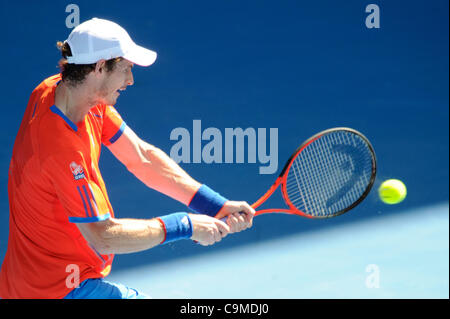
x=77, y=171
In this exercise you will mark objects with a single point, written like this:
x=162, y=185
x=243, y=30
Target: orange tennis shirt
x=55, y=182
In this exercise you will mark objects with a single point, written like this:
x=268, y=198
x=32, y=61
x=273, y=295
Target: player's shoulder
x=51, y=130
x=97, y=111
x=101, y=110
x=47, y=84
x=110, y=110
x=57, y=136
x=52, y=80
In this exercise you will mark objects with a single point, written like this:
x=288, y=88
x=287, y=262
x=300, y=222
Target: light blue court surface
x=405, y=255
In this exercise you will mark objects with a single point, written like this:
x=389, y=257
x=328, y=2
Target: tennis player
x=62, y=225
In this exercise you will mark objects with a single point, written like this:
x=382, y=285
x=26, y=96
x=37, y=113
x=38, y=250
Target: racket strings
x=330, y=174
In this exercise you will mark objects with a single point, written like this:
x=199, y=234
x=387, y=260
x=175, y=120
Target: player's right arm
x=122, y=236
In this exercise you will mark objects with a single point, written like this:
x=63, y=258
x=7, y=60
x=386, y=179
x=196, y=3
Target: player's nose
x=130, y=79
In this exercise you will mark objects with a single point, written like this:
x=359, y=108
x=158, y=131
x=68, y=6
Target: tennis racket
x=328, y=175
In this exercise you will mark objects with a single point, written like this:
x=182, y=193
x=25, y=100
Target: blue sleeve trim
x=119, y=133
x=90, y=219
x=206, y=201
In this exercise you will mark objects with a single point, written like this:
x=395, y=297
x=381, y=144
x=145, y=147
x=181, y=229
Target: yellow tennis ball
x=392, y=191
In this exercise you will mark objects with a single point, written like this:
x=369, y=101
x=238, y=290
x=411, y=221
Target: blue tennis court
x=408, y=252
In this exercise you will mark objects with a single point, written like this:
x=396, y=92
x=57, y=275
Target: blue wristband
x=176, y=226
x=206, y=201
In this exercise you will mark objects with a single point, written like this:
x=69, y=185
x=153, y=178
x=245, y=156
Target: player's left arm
x=158, y=171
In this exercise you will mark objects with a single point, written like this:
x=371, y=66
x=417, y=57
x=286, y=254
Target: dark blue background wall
x=299, y=66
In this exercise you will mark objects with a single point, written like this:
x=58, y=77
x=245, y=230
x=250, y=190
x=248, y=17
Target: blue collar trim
x=57, y=111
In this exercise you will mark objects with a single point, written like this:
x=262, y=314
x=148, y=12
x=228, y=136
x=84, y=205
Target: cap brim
x=141, y=56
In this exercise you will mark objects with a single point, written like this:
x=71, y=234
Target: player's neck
x=72, y=101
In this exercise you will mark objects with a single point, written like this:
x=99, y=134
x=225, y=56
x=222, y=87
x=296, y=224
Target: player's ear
x=100, y=66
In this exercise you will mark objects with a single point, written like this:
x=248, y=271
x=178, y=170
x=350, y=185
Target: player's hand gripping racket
x=328, y=175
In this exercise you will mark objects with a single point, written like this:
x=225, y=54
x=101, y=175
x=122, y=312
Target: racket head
x=329, y=174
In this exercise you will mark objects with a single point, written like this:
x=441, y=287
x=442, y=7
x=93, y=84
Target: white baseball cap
x=98, y=39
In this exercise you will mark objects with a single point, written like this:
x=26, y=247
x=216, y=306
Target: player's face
x=114, y=81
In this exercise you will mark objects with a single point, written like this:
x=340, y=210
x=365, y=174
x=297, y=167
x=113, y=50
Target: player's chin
x=112, y=98
x=116, y=94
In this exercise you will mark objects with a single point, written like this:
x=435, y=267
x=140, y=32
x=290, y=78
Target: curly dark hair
x=74, y=74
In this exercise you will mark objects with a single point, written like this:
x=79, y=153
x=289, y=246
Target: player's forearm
x=124, y=236
x=158, y=171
